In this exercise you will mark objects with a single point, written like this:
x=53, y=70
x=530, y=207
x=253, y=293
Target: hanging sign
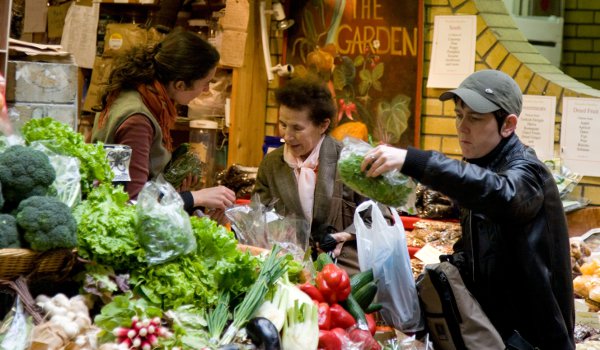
x=579, y=141
x=535, y=126
x=452, y=51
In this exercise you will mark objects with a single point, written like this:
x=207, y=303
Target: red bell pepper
x=364, y=339
x=371, y=323
x=340, y=317
x=329, y=341
x=334, y=283
x=312, y=292
x=324, y=316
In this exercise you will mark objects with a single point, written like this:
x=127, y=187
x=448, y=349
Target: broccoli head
x=9, y=235
x=47, y=223
x=24, y=172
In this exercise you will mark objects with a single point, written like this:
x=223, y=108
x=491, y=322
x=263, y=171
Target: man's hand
x=382, y=159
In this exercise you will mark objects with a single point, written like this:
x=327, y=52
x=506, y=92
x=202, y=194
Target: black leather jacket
x=515, y=244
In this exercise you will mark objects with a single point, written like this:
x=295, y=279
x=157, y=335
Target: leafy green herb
x=391, y=188
x=199, y=278
x=183, y=164
x=164, y=232
x=102, y=281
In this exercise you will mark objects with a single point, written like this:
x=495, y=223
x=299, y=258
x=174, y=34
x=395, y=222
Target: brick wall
x=500, y=45
x=581, y=46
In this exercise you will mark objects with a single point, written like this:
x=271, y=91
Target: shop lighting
x=278, y=15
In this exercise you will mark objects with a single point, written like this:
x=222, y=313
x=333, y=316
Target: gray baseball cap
x=487, y=91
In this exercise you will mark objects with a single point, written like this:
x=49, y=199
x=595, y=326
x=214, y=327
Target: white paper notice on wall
x=535, y=126
x=453, y=50
x=579, y=141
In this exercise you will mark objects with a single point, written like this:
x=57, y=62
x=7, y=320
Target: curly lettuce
x=106, y=230
x=199, y=277
x=61, y=139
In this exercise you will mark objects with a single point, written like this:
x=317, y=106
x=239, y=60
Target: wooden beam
x=248, y=100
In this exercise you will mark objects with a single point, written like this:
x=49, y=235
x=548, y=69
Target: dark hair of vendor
x=180, y=56
x=304, y=93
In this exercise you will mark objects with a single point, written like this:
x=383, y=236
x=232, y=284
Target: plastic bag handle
x=376, y=215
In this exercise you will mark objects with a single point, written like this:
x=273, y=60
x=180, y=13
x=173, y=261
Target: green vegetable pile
x=183, y=163
x=63, y=140
x=198, y=278
x=107, y=228
x=392, y=188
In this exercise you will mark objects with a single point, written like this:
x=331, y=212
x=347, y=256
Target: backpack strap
x=517, y=342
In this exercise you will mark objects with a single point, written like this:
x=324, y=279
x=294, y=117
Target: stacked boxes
x=40, y=89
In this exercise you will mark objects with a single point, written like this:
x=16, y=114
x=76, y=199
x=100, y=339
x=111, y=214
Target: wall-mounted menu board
x=579, y=141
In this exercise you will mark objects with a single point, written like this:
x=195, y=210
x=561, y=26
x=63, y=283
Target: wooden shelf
x=5, y=13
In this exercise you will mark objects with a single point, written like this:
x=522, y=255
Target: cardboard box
x=100, y=75
x=41, y=82
x=19, y=113
x=120, y=37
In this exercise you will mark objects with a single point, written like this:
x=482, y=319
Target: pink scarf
x=306, y=176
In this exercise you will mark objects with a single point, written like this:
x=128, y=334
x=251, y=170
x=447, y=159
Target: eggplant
x=263, y=334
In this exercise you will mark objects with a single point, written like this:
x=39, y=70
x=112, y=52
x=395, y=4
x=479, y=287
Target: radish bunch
x=142, y=334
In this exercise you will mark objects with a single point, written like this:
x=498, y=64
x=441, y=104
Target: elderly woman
x=302, y=174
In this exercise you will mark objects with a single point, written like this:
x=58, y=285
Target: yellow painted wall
x=500, y=45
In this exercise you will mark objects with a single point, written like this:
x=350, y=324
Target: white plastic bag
x=382, y=247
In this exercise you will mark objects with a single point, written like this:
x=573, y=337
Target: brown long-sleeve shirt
x=137, y=132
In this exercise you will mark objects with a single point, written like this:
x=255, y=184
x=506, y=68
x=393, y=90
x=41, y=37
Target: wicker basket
x=53, y=263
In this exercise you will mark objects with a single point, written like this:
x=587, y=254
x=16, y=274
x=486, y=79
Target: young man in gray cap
x=514, y=252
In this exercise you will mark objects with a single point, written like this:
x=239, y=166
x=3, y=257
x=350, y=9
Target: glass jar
x=203, y=142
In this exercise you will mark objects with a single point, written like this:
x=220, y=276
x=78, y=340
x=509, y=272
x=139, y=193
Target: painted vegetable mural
x=368, y=60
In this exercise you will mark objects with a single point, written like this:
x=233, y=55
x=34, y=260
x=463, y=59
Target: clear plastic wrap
x=164, y=228
x=67, y=185
x=565, y=179
x=382, y=247
x=15, y=330
x=391, y=188
x=260, y=226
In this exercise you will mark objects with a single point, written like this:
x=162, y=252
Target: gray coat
x=334, y=202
